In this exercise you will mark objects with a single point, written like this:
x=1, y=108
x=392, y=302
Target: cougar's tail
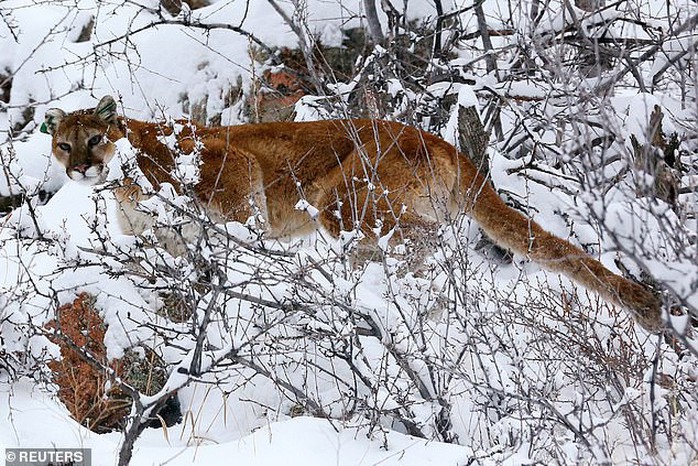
x=513, y=230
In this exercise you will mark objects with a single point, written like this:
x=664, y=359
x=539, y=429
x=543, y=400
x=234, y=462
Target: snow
x=517, y=354
x=301, y=441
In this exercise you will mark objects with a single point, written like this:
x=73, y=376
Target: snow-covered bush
x=512, y=364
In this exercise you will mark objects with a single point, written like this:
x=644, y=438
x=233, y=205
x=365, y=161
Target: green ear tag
x=107, y=109
x=44, y=128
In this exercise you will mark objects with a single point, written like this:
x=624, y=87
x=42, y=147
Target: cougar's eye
x=64, y=146
x=94, y=140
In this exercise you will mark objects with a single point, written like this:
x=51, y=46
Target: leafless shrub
x=455, y=352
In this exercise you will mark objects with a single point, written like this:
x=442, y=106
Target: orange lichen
x=82, y=385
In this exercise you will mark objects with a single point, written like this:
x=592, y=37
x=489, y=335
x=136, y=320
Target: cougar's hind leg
x=341, y=210
x=385, y=218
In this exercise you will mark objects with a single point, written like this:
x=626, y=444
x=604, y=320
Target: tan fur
x=358, y=173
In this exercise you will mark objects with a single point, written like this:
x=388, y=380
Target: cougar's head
x=81, y=140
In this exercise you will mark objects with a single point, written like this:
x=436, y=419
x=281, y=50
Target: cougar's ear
x=52, y=117
x=106, y=109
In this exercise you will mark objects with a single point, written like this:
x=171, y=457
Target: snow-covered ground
x=524, y=366
x=38, y=421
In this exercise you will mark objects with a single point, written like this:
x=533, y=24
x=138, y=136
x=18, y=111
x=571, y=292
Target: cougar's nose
x=82, y=168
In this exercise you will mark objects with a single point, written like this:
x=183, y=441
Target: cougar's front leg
x=135, y=219
x=131, y=220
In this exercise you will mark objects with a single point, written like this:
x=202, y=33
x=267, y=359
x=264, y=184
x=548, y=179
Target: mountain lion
x=367, y=174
